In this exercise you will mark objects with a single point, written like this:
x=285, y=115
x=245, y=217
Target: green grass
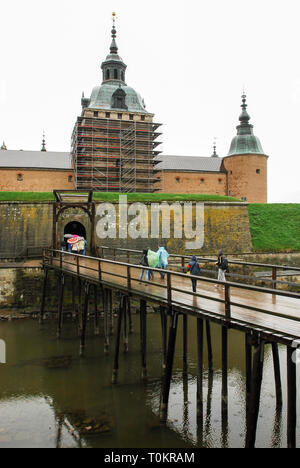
x=275, y=227
x=27, y=196
x=114, y=197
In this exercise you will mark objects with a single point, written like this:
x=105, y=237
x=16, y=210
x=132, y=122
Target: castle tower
x=114, y=140
x=246, y=163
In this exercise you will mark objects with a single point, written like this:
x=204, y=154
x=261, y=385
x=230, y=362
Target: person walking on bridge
x=194, y=268
x=163, y=260
x=222, y=264
x=144, y=262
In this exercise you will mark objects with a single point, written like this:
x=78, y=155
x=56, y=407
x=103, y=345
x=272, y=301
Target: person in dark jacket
x=222, y=264
x=194, y=268
x=144, y=262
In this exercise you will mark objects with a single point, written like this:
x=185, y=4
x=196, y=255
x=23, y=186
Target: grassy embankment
x=114, y=197
x=275, y=227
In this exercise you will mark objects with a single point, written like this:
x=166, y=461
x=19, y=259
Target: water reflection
x=67, y=401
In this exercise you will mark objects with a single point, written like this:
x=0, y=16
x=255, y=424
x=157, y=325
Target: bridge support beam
x=224, y=405
x=277, y=375
x=96, y=314
x=185, y=343
x=257, y=374
x=143, y=336
x=292, y=398
x=61, y=281
x=84, y=318
x=200, y=371
x=209, y=347
x=105, y=318
x=42, y=311
x=121, y=314
x=164, y=325
x=169, y=367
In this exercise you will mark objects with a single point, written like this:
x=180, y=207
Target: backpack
x=224, y=264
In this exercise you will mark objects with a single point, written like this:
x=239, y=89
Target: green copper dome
x=245, y=142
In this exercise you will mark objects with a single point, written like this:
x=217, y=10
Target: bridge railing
x=96, y=269
x=245, y=272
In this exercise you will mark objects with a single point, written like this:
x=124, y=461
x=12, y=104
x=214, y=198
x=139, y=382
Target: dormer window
x=118, y=99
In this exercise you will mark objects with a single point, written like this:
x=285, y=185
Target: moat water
x=51, y=397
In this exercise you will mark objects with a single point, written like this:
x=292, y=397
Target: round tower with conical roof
x=246, y=163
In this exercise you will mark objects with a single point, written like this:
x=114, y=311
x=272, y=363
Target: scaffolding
x=115, y=155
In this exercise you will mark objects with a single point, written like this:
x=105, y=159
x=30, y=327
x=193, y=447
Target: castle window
x=177, y=180
x=202, y=181
x=20, y=177
x=130, y=116
x=115, y=74
x=107, y=74
x=118, y=99
x=142, y=117
x=95, y=113
x=120, y=116
x=230, y=172
x=107, y=115
x=257, y=171
x=220, y=181
x=70, y=178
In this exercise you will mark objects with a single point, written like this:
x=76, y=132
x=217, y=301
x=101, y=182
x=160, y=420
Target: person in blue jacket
x=163, y=260
x=194, y=268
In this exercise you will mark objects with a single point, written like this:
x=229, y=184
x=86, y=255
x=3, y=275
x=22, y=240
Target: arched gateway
x=79, y=199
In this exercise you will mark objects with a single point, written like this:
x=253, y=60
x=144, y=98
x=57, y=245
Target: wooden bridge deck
x=275, y=313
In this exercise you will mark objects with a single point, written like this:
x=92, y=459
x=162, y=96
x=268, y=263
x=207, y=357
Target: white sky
x=189, y=61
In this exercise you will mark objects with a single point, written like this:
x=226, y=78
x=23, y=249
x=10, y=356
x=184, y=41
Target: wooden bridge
x=264, y=315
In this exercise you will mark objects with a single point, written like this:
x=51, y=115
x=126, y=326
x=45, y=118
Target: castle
x=115, y=148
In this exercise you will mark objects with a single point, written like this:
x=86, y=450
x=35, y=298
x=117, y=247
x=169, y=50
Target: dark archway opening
x=74, y=227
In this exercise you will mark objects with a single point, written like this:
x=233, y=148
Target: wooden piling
x=125, y=321
x=224, y=402
x=143, y=336
x=110, y=312
x=129, y=314
x=257, y=374
x=277, y=375
x=105, y=319
x=42, y=311
x=185, y=343
x=84, y=318
x=169, y=367
x=200, y=371
x=248, y=356
x=79, y=312
x=209, y=346
x=164, y=319
x=60, y=304
x=118, y=337
x=291, y=398
x=96, y=314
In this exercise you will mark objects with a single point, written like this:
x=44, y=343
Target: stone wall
x=30, y=225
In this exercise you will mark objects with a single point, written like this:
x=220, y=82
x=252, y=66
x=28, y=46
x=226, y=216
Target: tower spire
x=113, y=46
x=214, y=155
x=244, y=117
x=43, y=143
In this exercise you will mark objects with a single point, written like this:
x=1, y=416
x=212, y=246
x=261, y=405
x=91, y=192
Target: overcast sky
x=190, y=61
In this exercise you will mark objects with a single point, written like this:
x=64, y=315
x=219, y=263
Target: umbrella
x=73, y=240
